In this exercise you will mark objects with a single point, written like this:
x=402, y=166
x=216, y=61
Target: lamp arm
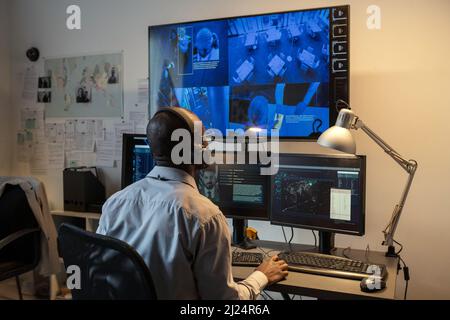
x=410, y=166
x=404, y=163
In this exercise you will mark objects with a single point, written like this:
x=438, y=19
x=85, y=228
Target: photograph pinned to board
x=45, y=82
x=83, y=95
x=86, y=86
x=44, y=97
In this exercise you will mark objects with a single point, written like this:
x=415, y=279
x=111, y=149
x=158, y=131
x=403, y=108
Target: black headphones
x=189, y=119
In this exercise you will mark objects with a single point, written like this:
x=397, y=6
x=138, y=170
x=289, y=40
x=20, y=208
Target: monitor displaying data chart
x=319, y=192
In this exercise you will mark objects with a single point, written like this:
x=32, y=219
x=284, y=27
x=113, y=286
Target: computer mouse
x=372, y=284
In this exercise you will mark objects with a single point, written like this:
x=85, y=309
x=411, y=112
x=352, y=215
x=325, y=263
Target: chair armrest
x=15, y=236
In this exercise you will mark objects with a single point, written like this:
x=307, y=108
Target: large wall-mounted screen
x=281, y=71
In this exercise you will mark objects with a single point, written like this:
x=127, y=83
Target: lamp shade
x=338, y=138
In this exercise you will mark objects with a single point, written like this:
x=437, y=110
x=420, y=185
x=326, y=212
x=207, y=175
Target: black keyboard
x=332, y=266
x=247, y=259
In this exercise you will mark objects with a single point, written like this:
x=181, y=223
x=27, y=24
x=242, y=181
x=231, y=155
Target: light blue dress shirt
x=182, y=236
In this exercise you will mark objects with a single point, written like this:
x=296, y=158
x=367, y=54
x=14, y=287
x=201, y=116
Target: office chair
x=20, y=236
x=110, y=268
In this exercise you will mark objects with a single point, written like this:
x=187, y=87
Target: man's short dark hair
x=159, y=134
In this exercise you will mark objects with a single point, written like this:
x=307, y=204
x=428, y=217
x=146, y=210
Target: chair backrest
x=110, y=269
x=16, y=215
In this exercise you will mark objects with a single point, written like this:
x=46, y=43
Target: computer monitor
x=241, y=192
x=318, y=192
x=283, y=71
x=137, y=160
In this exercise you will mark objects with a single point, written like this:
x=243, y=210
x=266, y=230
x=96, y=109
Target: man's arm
x=212, y=266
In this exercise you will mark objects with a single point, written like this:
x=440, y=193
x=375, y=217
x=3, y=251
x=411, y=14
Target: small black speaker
x=83, y=192
x=33, y=54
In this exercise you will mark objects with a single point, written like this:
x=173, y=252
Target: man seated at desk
x=181, y=235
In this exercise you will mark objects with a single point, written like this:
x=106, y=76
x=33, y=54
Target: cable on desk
x=367, y=254
x=268, y=295
x=285, y=238
x=266, y=253
x=344, y=254
x=262, y=250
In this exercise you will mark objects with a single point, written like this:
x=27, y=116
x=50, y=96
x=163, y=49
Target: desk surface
x=326, y=287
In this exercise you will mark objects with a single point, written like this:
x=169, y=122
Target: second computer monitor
x=240, y=191
x=137, y=160
x=325, y=193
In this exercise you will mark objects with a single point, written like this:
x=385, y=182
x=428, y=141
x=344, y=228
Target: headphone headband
x=189, y=118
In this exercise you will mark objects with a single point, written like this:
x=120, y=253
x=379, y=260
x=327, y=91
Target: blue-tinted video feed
x=292, y=109
x=208, y=103
x=289, y=48
x=189, y=55
x=269, y=71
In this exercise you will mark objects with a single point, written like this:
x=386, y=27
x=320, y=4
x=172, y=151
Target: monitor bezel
x=361, y=228
x=333, y=112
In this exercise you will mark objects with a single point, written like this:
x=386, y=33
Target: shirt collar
x=173, y=174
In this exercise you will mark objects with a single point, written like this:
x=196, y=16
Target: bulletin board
x=84, y=86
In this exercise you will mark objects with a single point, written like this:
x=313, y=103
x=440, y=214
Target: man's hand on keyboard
x=274, y=269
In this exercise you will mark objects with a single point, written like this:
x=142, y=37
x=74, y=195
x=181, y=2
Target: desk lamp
x=340, y=138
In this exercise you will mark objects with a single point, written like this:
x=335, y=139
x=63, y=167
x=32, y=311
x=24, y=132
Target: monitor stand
x=240, y=239
x=326, y=242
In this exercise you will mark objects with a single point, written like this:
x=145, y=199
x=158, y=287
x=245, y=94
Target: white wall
x=399, y=86
x=6, y=135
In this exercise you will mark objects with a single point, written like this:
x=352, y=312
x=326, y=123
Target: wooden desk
x=321, y=287
x=88, y=216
